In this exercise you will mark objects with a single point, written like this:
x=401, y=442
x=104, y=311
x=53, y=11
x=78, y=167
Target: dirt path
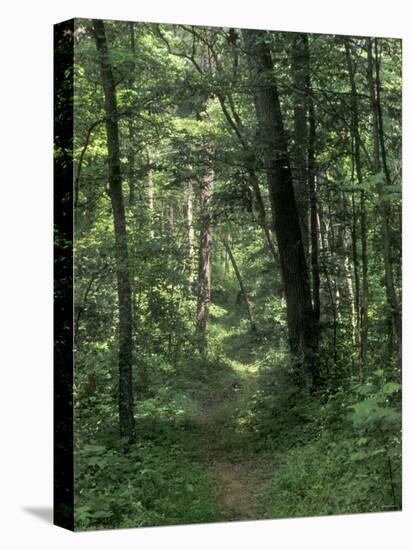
x=238, y=472
x=238, y=488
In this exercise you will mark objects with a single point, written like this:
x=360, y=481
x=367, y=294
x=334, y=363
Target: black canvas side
x=63, y=275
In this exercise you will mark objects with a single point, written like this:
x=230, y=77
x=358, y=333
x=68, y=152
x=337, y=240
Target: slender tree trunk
x=236, y=125
x=300, y=73
x=314, y=227
x=332, y=246
x=150, y=192
x=305, y=146
x=303, y=337
x=131, y=165
x=126, y=403
x=243, y=290
x=354, y=238
x=378, y=153
x=314, y=256
x=207, y=66
x=363, y=215
x=347, y=269
x=131, y=155
x=325, y=255
x=190, y=231
x=262, y=216
x=150, y=202
x=205, y=260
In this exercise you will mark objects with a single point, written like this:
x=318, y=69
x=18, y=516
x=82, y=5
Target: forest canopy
x=237, y=258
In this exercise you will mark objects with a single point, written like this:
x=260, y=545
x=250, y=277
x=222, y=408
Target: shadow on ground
x=43, y=513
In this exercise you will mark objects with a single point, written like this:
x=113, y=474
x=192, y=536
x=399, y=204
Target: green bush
x=354, y=462
x=150, y=485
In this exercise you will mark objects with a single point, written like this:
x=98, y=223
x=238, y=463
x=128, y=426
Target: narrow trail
x=241, y=475
x=238, y=473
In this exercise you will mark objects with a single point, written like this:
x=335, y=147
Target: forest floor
x=241, y=473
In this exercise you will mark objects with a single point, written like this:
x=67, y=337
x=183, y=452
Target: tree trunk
x=190, y=231
x=303, y=337
x=131, y=155
x=354, y=238
x=314, y=227
x=243, y=290
x=346, y=267
x=262, y=216
x=300, y=73
x=378, y=153
x=150, y=193
x=126, y=404
x=205, y=259
x=325, y=254
x=363, y=215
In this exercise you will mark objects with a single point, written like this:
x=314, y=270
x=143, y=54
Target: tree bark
x=314, y=226
x=363, y=216
x=150, y=192
x=131, y=155
x=125, y=357
x=346, y=267
x=378, y=153
x=243, y=290
x=303, y=337
x=325, y=254
x=354, y=238
x=300, y=73
x=205, y=259
x=190, y=231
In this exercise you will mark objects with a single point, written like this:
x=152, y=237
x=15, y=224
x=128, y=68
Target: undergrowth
x=338, y=452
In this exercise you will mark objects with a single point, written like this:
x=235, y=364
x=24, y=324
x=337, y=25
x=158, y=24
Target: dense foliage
x=198, y=342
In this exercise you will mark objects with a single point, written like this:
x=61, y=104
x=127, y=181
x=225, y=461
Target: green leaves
x=376, y=408
x=376, y=179
x=390, y=388
x=354, y=463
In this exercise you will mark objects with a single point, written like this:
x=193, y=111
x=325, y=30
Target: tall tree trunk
x=314, y=254
x=150, y=192
x=354, y=239
x=325, y=255
x=207, y=66
x=205, y=259
x=314, y=227
x=343, y=244
x=363, y=215
x=300, y=73
x=378, y=153
x=190, y=231
x=243, y=290
x=126, y=403
x=305, y=163
x=303, y=337
x=131, y=155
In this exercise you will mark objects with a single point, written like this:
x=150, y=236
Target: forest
x=237, y=265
